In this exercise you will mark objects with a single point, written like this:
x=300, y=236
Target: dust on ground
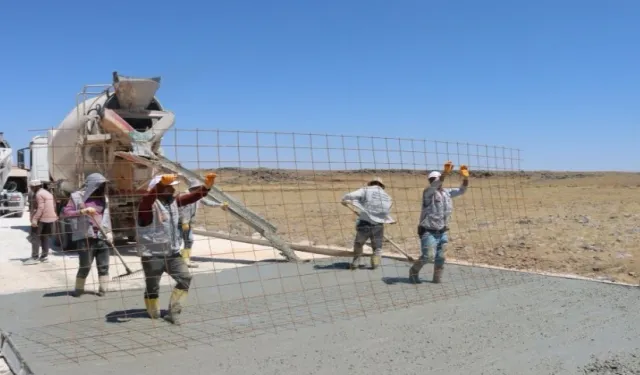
x=569, y=222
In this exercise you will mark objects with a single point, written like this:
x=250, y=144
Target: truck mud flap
x=255, y=221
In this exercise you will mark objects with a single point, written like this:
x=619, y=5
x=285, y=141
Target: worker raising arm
x=159, y=241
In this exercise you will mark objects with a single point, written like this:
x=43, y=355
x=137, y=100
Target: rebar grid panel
x=295, y=182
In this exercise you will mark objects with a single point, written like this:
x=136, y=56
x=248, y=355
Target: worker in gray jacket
x=187, y=216
x=89, y=216
x=374, y=204
x=437, y=207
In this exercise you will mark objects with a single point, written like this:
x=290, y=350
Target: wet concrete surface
x=319, y=318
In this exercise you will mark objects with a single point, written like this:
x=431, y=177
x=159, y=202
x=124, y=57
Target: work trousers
x=88, y=250
x=433, y=244
x=40, y=239
x=368, y=231
x=155, y=266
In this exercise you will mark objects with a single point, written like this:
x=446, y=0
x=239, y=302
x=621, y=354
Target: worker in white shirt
x=374, y=204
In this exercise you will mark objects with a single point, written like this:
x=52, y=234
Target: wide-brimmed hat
x=378, y=180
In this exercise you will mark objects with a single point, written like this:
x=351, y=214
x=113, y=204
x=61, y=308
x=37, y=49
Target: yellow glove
x=167, y=179
x=209, y=179
x=464, y=171
x=225, y=206
x=88, y=211
x=448, y=167
x=185, y=226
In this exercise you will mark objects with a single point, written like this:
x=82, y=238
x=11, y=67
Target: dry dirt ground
x=569, y=222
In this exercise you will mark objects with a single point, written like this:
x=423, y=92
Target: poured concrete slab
x=319, y=318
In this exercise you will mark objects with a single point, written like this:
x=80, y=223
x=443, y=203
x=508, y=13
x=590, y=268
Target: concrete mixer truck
x=117, y=130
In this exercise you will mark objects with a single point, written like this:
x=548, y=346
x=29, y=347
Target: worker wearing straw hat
x=374, y=204
x=187, y=216
x=437, y=207
x=159, y=241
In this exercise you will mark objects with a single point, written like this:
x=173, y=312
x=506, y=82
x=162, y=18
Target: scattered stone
x=583, y=219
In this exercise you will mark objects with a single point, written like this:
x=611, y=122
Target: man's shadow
x=402, y=280
x=123, y=316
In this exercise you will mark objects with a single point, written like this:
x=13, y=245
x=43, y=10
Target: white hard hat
x=435, y=174
x=157, y=179
x=35, y=183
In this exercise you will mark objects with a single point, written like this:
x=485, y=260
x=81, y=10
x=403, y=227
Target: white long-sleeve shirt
x=374, y=204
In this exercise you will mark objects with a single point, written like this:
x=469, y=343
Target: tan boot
x=79, y=288
x=176, y=301
x=414, y=272
x=186, y=255
x=437, y=274
x=103, y=285
x=152, y=307
x=375, y=261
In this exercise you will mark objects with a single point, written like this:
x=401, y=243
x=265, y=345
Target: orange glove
x=209, y=179
x=167, y=179
x=464, y=171
x=448, y=167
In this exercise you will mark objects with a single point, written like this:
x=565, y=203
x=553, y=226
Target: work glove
x=225, y=206
x=88, y=211
x=448, y=167
x=464, y=171
x=345, y=203
x=167, y=179
x=185, y=226
x=209, y=179
x=109, y=237
x=34, y=224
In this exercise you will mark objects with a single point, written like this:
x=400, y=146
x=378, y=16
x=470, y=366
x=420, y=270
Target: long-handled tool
x=409, y=258
x=128, y=274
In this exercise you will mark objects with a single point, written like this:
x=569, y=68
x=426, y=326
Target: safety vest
x=161, y=237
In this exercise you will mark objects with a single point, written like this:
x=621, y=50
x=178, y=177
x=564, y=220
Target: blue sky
x=558, y=79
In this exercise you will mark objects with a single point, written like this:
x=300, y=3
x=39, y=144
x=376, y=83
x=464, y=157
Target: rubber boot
x=357, y=252
x=152, y=307
x=375, y=261
x=175, y=305
x=414, y=272
x=437, y=274
x=103, y=285
x=186, y=255
x=79, y=288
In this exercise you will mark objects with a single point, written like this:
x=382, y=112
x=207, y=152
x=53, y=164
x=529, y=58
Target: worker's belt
x=422, y=230
x=364, y=223
x=438, y=231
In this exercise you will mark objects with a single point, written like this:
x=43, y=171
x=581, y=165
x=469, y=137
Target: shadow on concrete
x=401, y=280
x=123, y=316
x=235, y=261
x=66, y=293
x=336, y=266
x=24, y=228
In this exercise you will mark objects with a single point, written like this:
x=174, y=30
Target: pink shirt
x=45, y=211
x=97, y=204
